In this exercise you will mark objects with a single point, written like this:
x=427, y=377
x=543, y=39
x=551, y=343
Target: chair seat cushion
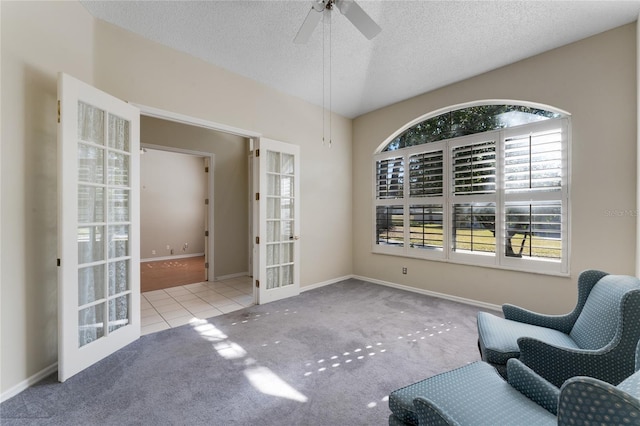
x=499, y=337
x=473, y=394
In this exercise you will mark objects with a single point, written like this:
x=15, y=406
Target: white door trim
x=149, y=111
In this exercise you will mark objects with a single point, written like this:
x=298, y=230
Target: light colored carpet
x=327, y=357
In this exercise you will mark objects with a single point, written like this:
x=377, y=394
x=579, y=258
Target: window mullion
x=406, y=190
x=500, y=199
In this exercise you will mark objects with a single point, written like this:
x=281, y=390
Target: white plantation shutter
x=426, y=176
x=498, y=198
x=474, y=168
x=533, y=161
x=390, y=178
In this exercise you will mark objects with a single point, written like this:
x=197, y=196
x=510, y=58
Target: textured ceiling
x=423, y=45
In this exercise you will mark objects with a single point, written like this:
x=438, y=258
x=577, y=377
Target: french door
x=98, y=225
x=277, y=244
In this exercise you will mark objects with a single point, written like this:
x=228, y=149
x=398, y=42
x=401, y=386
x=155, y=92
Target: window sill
x=483, y=262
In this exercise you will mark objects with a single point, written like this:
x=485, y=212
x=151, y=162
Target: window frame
x=497, y=259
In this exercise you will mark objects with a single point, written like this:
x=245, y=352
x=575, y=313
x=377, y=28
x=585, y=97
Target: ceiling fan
x=349, y=8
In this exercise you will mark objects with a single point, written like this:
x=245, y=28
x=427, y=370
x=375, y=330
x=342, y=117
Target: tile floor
x=176, y=306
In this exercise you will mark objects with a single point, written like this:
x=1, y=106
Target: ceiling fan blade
x=310, y=23
x=358, y=17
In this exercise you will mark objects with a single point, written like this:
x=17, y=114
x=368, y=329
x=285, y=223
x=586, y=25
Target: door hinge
x=58, y=262
x=206, y=265
x=206, y=170
x=58, y=110
x=257, y=153
x=257, y=240
x=206, y=233
x=257, y=283
x=257, y=196
x=206, y=201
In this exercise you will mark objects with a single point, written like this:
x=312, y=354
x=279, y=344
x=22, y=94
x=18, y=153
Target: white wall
x=41, y=38
x=173, y=187
x=594, y=80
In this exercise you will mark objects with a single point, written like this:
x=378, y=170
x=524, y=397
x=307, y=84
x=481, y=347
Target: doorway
x=174, y=216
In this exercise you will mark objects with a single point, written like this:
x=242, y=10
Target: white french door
x=277, y=260
x=98, y=225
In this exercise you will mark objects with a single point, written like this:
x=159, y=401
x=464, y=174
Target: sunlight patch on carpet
x=267, y=382
x=261, y=378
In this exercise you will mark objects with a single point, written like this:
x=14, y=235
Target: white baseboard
x=10, y=393
x=177, y=256
x=228, y=277
x=324, y=283
x=464, y=300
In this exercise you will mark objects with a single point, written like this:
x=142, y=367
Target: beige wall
x=41, y=38
x=38, y=40
x=230, y=193
x=173, y=187
x=594, y=80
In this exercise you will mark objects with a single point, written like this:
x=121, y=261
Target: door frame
x=161, y=114
x=210, y=179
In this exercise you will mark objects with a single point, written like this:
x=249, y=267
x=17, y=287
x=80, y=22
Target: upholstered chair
x=477, y=395
x=597, y=339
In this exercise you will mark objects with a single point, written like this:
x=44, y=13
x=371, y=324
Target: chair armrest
x=532, y=385
x=429, y=414
x=558, y=364
x=562, y=323
x=604, y=403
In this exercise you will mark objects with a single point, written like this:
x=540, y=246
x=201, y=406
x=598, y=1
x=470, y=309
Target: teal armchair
x=597, y=339
x=477, y=394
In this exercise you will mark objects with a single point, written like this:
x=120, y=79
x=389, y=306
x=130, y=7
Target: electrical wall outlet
x=168, y=247
x=404, y=270
x=153, y=252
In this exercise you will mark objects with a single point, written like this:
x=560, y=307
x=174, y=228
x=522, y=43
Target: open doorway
x=174, y=214
x=228, y=285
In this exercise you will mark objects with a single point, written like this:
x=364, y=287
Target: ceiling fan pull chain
x=323, y=71
x=330, y=81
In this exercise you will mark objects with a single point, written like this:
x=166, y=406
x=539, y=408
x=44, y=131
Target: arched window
x=485, y=184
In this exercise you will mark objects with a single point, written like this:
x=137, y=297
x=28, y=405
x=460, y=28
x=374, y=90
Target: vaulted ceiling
x=423, y=45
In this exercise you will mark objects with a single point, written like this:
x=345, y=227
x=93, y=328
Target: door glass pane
x=286, y=252
x=286, y=186
x=273, y=208
x=90, y=123
x=118, y=133
x=273, y=185
x=287, y=230
x=286, y=208
x=118, y=171
x=90, y=164
x=118, y=205
x=273, y=162
x=287, y=164
x=273, y=254
x=118, y=241
x=273, y=231
x=90, y=204
x=90, y=324
x=90, y=284
x=118, y=277
x=286, y=277
x=90, y=244
x=273, y=279
x=118, y=312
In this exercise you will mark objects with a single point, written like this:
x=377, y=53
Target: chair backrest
x=600, y=318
